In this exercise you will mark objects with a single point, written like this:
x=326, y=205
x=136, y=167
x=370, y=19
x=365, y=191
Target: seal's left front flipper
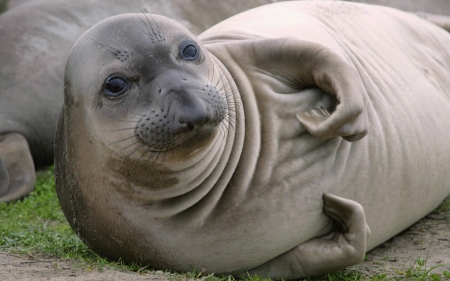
x=322, y=255
x=17, y=175
x=318, y=66
x=306, y=64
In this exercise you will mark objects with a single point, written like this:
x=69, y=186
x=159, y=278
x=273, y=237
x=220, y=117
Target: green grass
x=36, y=225
x=444, y=207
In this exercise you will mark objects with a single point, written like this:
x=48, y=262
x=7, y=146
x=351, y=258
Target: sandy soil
x=428, y=239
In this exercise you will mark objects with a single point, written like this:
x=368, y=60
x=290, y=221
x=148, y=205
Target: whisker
x=228, y=91
x=186, y=88
x=228, y=84
x=117, y=130
x=157, y=156
x=143, y=115
x=123, y=148
x=232, y=111
x=142, y=144
x=230, y=124
x=163, y=37
x=147, y=27
x=231, y=119
x=230, y=114
x=142, y=155
x=146, y=32
x=219, y=80
x=128, y=121
x=212, y=77
x=164, y=153
x=108, y=48
x=223, y=128
x=151, y=26
x=150, y=154
x=122, y=140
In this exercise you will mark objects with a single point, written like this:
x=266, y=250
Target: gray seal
x=285, y=147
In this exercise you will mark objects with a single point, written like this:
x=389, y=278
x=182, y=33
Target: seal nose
x=191, y=112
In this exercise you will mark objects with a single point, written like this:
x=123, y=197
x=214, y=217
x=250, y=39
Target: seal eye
x=115, y=86
x=189, y=52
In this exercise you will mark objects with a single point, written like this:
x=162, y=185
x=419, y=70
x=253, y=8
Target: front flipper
x=318, y=256
x=17, y=175
x=303, y=65
x=318, y=66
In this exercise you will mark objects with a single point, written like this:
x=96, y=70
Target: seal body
x=36, y=38
x=221, y=153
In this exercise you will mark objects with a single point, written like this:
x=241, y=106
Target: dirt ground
x=428, y=239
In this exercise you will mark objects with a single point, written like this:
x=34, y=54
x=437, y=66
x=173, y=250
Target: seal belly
x=406, y=152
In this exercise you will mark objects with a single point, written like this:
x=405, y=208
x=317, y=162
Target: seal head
x=161, y=87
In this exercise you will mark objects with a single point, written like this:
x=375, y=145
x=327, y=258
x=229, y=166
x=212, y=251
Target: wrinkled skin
x=36, y=38
x=327, y=135
x=435, y=11
x=439, y=7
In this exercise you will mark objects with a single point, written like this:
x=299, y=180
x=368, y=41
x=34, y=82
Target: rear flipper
x=17, y=175
x=322, y=255
x=441, y=21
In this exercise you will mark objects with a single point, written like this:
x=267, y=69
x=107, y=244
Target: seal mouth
x=154, y=130
x=160, y=133
x=187, y=113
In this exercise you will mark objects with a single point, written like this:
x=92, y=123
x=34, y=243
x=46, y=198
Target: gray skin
x=439, y=7
x=435, y=11
x=36, y=38
x=221, y=153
